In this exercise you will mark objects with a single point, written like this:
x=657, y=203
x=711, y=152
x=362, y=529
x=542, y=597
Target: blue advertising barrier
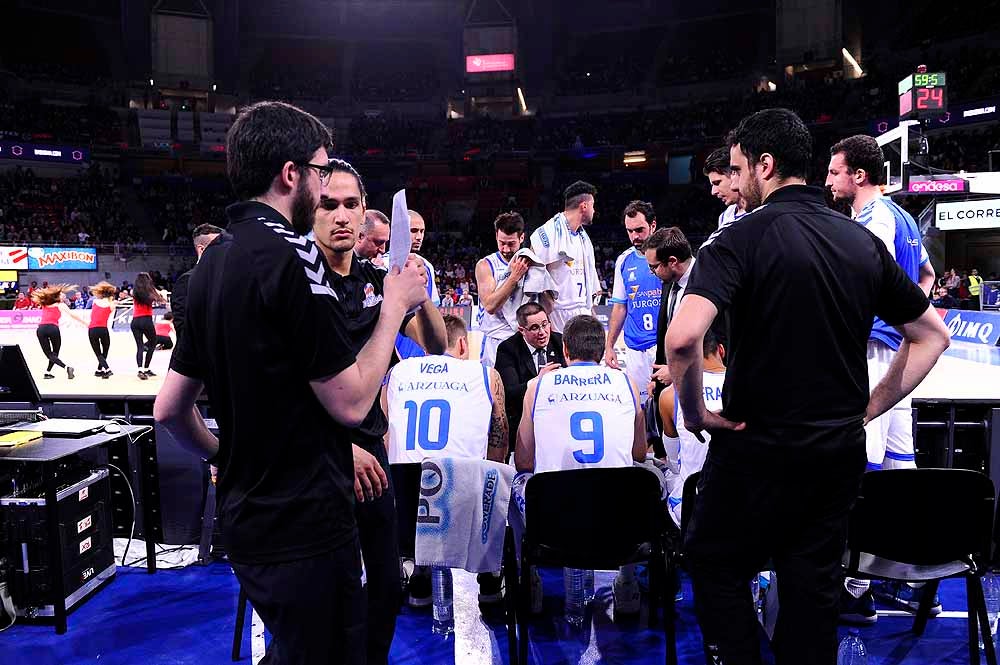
x=972, y=326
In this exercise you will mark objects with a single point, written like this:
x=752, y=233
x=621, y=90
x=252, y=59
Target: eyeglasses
x=323, y=170
x=536, y=327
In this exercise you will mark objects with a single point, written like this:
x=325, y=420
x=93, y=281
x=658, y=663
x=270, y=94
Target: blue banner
x=62, y=258
x=972, y=326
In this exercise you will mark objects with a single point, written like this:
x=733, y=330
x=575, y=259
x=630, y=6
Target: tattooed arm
x=496, y=449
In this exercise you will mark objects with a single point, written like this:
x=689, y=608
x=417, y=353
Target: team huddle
x=350, y=352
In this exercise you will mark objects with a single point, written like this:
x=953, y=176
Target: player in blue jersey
x=636, y=301
x=719, y=175
x=854, y=176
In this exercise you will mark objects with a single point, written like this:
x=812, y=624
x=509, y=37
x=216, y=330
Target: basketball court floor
x=187, y=616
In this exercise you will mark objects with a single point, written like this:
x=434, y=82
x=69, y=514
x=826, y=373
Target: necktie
x=540, y=359
x=672, y=303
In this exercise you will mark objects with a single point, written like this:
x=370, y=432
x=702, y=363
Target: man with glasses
x=267, y=337
x=534, y=351
x=373, y=237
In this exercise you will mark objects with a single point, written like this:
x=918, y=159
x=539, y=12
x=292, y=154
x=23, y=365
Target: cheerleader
x=100, y=339
x=52, y=301
x=144, y=295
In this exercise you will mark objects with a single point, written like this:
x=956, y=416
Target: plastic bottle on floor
x=573, y=581
x=444, y=609
x=852, y=650
x=588, y=586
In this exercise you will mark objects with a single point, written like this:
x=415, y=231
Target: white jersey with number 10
x=584, y=417
x=439, y=406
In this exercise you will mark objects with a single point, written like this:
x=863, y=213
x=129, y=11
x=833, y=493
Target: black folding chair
x=925, y=525
x=406, y=483
x=594, y=519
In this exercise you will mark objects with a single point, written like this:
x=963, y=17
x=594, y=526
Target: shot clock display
x=923, y=95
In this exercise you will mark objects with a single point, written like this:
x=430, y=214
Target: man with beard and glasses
x=266, y=336
x=360, y=288
x=499, y=281
x=636, y=301
x=788, y=448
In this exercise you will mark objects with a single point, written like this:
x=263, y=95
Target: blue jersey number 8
x=594, y=432
x=418, y=424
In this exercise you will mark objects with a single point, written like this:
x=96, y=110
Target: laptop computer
x=67, y=427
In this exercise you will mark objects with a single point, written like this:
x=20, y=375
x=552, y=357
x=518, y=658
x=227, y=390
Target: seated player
x=446, y=406
x=685, y=453
x=575, y=417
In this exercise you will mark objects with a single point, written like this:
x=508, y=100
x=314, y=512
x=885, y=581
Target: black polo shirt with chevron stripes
x=262, y=321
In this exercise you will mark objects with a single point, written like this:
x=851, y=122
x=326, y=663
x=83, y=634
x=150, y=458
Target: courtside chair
x=594, y=519
x=926, y=525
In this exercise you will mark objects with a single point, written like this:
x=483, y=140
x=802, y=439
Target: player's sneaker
x=69, y=372
x=490, y=588
x=627, y=596
x=857, y=611
x=905, y=596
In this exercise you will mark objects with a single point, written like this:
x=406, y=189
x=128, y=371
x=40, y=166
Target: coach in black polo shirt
x=359, y=287
x=802, y=285
x=267, y=339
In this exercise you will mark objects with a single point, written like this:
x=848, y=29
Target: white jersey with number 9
x=584, y=417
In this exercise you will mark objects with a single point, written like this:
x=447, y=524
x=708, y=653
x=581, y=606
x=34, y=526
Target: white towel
x=534, y=283
x=462, y=513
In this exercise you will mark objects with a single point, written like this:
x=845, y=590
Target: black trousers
x=51, y=341
x=314, y=608
x=100, y=342
x=164, y=341
x=142, y=326
x=758, y=504
x=377, y=530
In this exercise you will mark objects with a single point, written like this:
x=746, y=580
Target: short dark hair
x=526, y=310
x=575, y=194
x=862, y=152
x=710, y=344
x=717, y=162
x=647, y=210
x=669, y=242
x=779, y=132
x=510, y=223
x=584, y=338
x=263, y=138
x=455, y=327
x=342, y=166
x=205, y=230
x=169, y=316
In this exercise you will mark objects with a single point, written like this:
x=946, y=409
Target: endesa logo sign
x=919, y=185
x=493, y=62
x=13, y=258
x=62, y=258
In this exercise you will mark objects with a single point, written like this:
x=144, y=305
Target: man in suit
x=534, y=351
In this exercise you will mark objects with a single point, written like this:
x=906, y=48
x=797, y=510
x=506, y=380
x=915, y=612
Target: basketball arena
x=309, y=309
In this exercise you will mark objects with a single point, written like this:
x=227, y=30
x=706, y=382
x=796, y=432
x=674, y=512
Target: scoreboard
x=923, y=95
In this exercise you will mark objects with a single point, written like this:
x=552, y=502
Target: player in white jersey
x=445, y=406
x=418, y=228
x=636, y=301
x=854, y=175
x=568, y=254
x=685, y=453
x=579, y=417
x=498, y=280
x=719, y=175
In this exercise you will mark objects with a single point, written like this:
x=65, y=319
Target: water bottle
x=755, y=593
x=444, y=610
x=588, y=586
x=852, y=650
x=573, y=580
x=991, y=592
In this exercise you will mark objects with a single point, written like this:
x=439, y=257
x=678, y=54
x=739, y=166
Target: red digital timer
x=923, y=95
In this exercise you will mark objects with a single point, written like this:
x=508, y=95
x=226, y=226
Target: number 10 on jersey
x=418, y=424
